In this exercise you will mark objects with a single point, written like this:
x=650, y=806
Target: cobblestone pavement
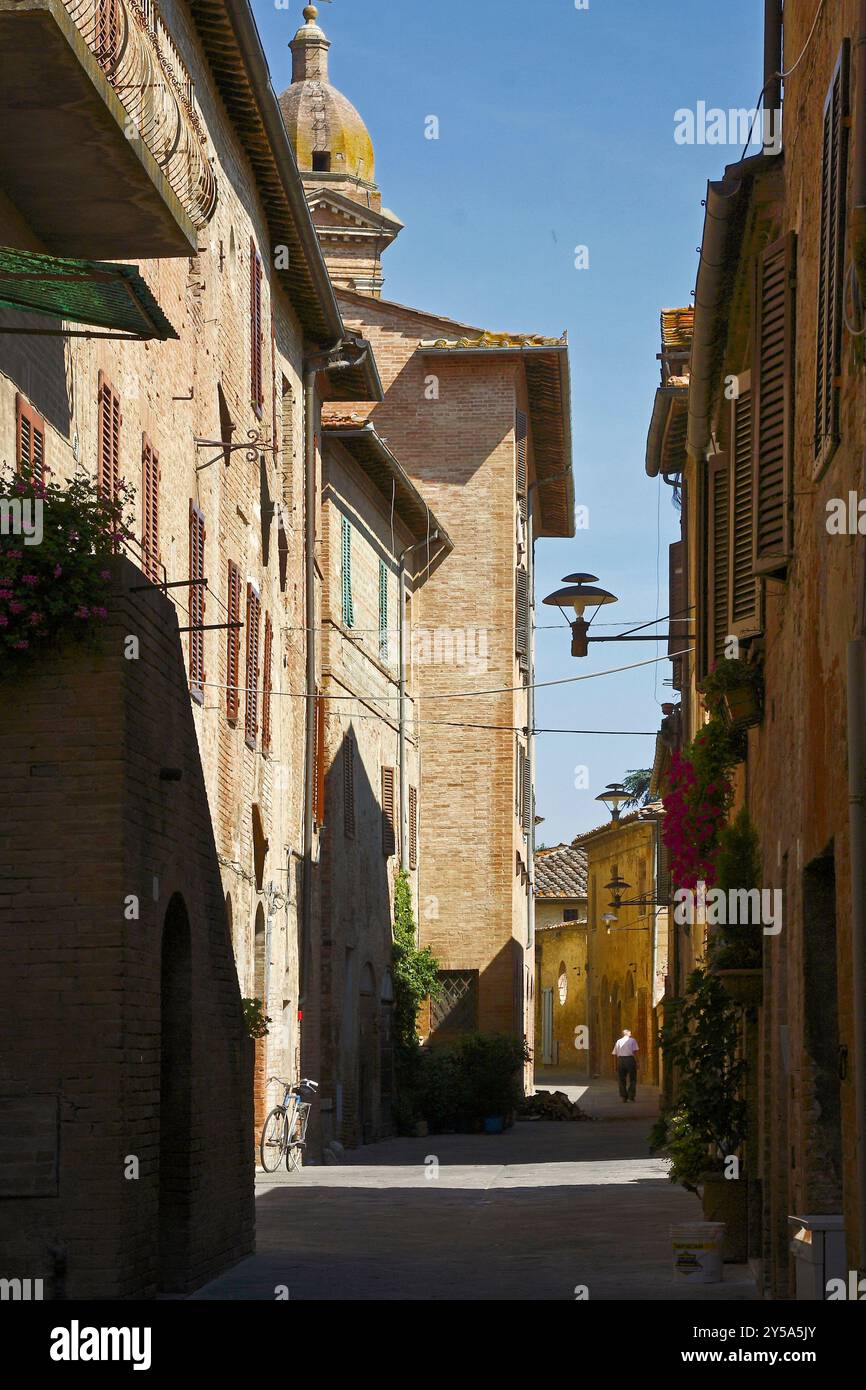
x=533, y=1213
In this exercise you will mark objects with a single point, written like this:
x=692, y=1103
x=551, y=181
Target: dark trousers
x=626, y=1070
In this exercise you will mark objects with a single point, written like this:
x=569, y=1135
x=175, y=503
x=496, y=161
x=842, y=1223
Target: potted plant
x=735, y=689
x=735, y=953
x=707, y=1126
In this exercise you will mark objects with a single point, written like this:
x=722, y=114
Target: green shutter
x=383, y=611
x=348, y=606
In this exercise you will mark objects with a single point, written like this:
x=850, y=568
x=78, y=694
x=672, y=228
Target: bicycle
x=284, y=1133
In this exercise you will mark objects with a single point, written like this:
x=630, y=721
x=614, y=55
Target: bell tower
x=335, y=156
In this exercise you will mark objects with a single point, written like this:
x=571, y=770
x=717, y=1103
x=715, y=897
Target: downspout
x=323, y=362
x=857, y=832
x=404, y=770
x=858, y=211
x=857, y=708
x=772, y=94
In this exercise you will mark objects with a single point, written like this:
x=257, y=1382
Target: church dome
x=326, y=131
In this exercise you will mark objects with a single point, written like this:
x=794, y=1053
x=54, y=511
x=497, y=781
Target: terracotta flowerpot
x=742, y=706
x=745, y=987
x=727, y=1199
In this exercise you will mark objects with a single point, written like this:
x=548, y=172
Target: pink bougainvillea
x=694, y=816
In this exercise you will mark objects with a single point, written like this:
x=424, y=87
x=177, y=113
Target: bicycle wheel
x=294, y=1157
x=275, y=1138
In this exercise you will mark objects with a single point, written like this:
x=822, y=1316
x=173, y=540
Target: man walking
x=625, y=1050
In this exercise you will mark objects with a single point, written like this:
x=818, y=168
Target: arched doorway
x=367, y=1056
x=260, y=1084
x=615, y=1027
x=175, y=1099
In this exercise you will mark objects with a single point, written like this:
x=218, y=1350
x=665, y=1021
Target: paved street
x=529, y=1214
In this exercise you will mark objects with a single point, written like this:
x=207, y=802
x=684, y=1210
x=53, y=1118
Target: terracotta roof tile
x=561, y=872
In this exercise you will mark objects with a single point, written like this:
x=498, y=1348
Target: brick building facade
x=773, y=569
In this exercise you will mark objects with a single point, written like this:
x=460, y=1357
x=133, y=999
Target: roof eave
x=559, y=351
x=370, y=436
x=324, y=323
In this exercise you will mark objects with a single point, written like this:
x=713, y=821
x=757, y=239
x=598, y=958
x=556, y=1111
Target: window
x=521, y=430
x=108, y=438
x=773, y=483
x=256, y=391
x=413, y=827
x=319, y=762
x=572, y=914
x=233, y=642
x=349, y=785
x=266, y=686
x=717, y=522
x=831, y=262
x=197, y=602
x=321, y=161
x=455, y=1009
x=389, y=823
x=288, y=445
x=346, y=571
x=521, y=633
x=383, y=611
x=254, y=614
x=744, y=590
x=150, y=509
x=30, y=446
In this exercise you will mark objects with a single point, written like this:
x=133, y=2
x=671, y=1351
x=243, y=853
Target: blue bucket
x=494, y=1124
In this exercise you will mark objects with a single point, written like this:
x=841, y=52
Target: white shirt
x=625, y=1047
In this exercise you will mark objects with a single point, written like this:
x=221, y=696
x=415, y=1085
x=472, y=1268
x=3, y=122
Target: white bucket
x=697, y=1250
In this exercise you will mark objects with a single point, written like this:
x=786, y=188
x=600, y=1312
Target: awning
x=98, y=293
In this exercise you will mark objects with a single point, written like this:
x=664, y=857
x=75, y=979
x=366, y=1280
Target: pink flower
x=82, y=611
x=35, y=619
x=100, y=612
x=4, y=621
x=5, y=593
x=30, y=579
x=105, y=574
x=58, y=570
x=16, y=607
x=21, y=646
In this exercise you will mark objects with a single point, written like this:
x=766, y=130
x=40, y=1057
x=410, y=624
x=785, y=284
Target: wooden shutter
x=30, y=446
x=521, y=634
x=389, y=832
x=251, y=716
x=831, y=261
x=383, y=612
x=413, y=827
x=521, y=431
x=266, y=685
x=718, y=553
x=346, y=571
x=256, y=391
x=773, y=396
x=677, y=605
x=288, y=425
x=744, y=588
x=233, y=643
x=108, y=438
x=150, y=509
x=349, y=785
x=526, y=793
x=319, y=766
x=197, y=601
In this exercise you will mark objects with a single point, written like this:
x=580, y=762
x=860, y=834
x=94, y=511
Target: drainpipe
x=404, y=770
x=857, y=833
x=772, y=97
x=343, y=354
x=858, y=210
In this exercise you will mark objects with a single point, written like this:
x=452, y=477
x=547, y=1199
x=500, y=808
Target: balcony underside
x=65, y=160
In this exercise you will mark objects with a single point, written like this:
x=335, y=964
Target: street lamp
x=617, y=888
x=613, y=797
x=580, y=594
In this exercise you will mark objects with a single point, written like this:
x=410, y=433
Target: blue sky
x=556, y=130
